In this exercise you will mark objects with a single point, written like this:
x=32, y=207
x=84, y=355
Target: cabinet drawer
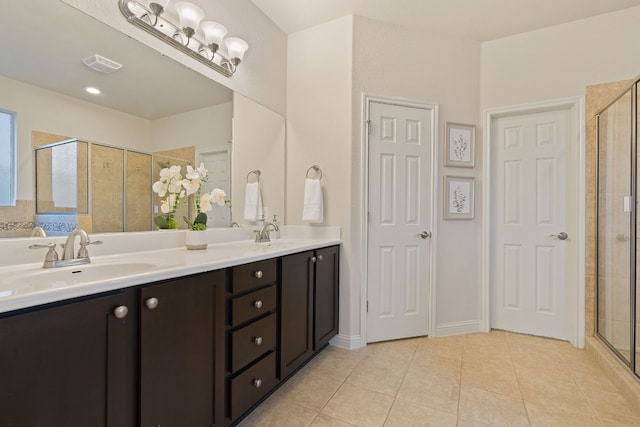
x=252, y=341
x=254, y=275
x=253, y=305
x=250, y=386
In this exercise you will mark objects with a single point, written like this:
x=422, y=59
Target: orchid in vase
x=176, y=187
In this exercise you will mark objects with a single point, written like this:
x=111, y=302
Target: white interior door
x=533, y=222
x=400, y=218
x=218, y=165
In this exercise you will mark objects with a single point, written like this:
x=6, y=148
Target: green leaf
x=161, y=222
x=201, y=219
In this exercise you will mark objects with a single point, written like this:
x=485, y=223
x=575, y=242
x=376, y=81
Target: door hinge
x=368, y=122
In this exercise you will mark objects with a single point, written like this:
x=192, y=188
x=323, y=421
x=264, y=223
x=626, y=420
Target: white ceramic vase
x=196, y=240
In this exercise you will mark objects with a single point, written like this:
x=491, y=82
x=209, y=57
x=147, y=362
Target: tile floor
x=498, y=379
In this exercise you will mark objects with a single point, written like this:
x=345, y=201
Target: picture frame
x=459, y=197
x=460, y=145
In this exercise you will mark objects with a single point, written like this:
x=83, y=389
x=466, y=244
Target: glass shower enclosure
x=618, y=260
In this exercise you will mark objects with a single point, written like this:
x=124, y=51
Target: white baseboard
x=457, y=328
x=348, y=342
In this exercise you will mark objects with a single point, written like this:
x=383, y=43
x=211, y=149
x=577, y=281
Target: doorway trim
x=366, y=100
x=576, y=106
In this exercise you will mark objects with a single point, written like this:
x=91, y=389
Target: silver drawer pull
x=257, y=340
x=258, y=274
x=313, y=259
x=257, y=383
x=121, y=311
x=257, y=304
x=151, y=303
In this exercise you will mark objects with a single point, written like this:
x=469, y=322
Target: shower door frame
x=633, y=231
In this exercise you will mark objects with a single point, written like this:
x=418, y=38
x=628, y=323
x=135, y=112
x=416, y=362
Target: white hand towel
x=313, y=204
x=252, y=202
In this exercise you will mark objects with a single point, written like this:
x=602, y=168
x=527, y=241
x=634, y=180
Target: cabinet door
x=73, y=364
x=181, y=351
x=325, y=303
x=296, y=311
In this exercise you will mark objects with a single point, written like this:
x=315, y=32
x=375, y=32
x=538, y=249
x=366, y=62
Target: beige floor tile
x=487, y=356
x=276, y=412
x=441, y=347
x=596, y=381
x=620, y=422
x=358, y=406
x=335, y=363
x=325, y=421
x=612, y=405
x=534, y=381
x=469, y=422
x=491, y=378
x=492, y=408
x=539, y=416
x=377, y=375
x=555, y=400
x=538, y=359
x=406, y=414
x=309, y=390
x=427, y=390
x=437, y=365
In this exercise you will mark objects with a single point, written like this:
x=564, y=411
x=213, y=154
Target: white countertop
x=130, y=259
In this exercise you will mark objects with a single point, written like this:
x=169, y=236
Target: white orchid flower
x=218, y=196
x=160, y=188
x=205, y=202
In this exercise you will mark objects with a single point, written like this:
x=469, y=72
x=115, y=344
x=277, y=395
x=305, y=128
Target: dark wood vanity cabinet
x=182, y=351
x=308, y=305
x=199, y=350
x=71, y=363
x=252, y=335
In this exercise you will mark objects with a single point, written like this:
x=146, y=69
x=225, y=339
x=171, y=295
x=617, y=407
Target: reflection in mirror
x=152, y=105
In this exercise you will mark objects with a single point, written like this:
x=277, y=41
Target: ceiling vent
x=101, y=64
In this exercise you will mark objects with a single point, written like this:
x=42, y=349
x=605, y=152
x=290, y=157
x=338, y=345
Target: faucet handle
x=51, y=256
x=83, y=252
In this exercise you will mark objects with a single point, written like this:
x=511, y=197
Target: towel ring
x=317, y=169
x=256, y=172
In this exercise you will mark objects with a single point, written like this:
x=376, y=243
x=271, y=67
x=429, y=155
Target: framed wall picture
x=458, y=197
x=460, y=145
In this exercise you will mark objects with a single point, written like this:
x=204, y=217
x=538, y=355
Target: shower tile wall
x=107, y=169
x=597, y=96
x=138, y=191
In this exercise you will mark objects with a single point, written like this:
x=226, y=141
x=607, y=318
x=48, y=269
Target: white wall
x=258, y=143
x=206, y=128
x=262, y=74
x=560, y=61
x=396, y=62
x=319, y=75
x=46, y=111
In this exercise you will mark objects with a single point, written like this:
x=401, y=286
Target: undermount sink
x=41, y=279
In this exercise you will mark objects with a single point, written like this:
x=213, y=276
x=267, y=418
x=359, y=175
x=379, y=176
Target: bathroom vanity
x=200, y=346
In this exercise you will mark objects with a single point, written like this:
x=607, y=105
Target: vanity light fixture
x=183, y=30
x=93, y=90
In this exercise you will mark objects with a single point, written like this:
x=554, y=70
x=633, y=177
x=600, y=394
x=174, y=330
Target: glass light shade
x=236, y=48
x=213, y=32
x=190, y=15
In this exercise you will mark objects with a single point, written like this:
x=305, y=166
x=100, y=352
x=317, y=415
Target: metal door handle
x=562, y=235
x=425, y=234
x=151, y=303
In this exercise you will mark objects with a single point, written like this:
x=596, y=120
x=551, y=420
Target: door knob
x=562, y=235
x=121, y=311
x=425, y=234
x=151, y=303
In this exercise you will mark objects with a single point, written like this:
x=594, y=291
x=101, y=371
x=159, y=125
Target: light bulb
x=213, y=34
x=190, y=16
x=236, y=48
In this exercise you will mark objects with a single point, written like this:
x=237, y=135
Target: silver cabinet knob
x=425, y=234
x=151, y=303
x=257, y=340
x=313, y=259
x=257, y=383
x=258, y=274
x=121, y=311
x=561, y=236
x=257, y=304
x=319, y=257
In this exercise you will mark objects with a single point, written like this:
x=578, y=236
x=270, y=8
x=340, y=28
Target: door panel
x=400, y=210
x=531, y=180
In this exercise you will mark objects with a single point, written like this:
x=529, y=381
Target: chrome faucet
x=262, y=236
x=68, y=250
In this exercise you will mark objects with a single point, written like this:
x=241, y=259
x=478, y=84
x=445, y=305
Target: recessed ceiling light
x=93, y=90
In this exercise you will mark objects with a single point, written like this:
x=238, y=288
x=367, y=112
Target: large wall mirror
x=152, y=105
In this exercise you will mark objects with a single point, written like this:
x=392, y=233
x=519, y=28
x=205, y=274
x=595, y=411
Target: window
x=7, y=158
